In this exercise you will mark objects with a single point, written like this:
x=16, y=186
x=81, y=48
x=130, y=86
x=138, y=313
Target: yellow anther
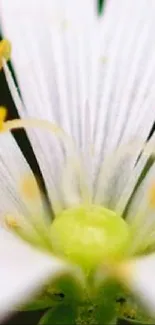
x=152, y=195
x=29, y=188
x=5, y=51
x=11, y=222
x=3, y=114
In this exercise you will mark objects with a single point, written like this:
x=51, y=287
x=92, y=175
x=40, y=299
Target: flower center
x=86, y=235
x=89, y=236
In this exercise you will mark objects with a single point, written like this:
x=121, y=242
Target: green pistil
x=89, y=236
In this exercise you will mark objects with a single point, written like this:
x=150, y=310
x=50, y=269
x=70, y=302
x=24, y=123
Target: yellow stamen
x=41, y=124
x=152, y=195
x=11, y=222
x=3, y=114
x=29, y=188
x=55, y=130
x=5, y=51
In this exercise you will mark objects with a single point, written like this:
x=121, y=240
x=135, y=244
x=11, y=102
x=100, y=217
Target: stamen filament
x=54, y=129
x=29, y=123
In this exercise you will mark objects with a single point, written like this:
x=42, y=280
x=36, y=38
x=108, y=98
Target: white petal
x=23, y=272
x=49, y=97
x=139, y=276
x=69, y=59
x=13, y=169
x=147, y=153
x=135, y=203
x=113, y=174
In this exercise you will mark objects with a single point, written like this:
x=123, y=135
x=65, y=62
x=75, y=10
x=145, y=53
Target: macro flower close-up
x=78, y=241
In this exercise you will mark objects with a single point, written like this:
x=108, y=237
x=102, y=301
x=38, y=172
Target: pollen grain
x=3, y=114
x=5, y=51
x=29, y=187
x=11, y=222
x=151, y=195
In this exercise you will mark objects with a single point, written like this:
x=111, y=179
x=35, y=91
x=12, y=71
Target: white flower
x=94, y=78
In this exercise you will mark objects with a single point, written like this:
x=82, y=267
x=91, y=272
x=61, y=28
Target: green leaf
x=60, y=315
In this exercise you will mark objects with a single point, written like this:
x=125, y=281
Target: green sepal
x=105, y=297
x=65, y=288
x=132, y=311
x=71, y=285
x=60, y=315
x=106, y=313
x=43, y=303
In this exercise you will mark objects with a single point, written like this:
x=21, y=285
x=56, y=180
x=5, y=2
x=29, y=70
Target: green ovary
x=89, y=236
